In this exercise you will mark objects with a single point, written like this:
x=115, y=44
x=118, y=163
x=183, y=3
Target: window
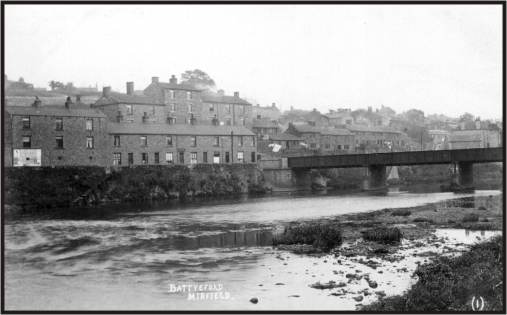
x=211, y=108
x=181, y=157
x=228, y=122
x=89, y=142
x=169, y=157
x=193, y=141
x=89, y=124
x=172, y=107
x=339, y=147
x=228, y=108
x=216, y=158
x=346, y=147
x=59, y=142
x=144, y=141
x=130, y=110
x=205, y=157
x=313, y=145
x=116, y=158
x=169, y=140
x=131, y=158
x=171, y=120
x=227, y=157
x=253, y=141
x=116, y=141
x=153, y=110
x=253, y=157
x=190, y=108
x=27, y=141
x=240, y=141
x=240, y=157
x=327, y=145
x=59, y=124
x=157, y=158
x=172, y=94
x=144, y=158
x=217, y=142
x=26, y=122
x=193, y=158
x=189, y=95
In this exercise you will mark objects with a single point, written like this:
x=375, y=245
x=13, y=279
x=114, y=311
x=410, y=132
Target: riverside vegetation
x=50, y=188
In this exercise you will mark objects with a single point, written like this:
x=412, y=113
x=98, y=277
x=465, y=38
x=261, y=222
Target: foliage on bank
x=324, y=236
x=48, y=187
x=449, y=284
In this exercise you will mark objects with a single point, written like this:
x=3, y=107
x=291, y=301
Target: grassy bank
x=449, y=284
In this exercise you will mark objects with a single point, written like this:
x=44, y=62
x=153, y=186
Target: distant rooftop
x=55, y=110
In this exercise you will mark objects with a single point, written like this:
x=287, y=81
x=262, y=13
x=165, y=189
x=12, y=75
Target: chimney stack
x=130, y=88
x=68, y=102
x=236, y=94
x=173, y=79
x=273, y=105
x=106, y=91
x=154, y=79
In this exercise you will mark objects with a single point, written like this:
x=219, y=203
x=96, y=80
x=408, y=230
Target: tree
x=198, y=78
x=415, y=116
x=56, y=85
x=466, y=117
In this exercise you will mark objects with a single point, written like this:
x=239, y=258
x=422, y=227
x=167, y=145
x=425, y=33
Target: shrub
x=383, y=235
x=471, y=217
x=401, y=212
x=423, y=220
x=323, y=236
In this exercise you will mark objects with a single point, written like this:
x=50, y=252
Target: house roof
x=285, y=137
x=360, y=128
x=324, y=131
x=176, y=86
x=55, y=110
x=177, y=129
x=264, y=123
x=212, y=97
x=464, y=137
x=120, y=98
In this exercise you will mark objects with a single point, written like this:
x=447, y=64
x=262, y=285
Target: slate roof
x=321, y=130
x=55, y=110
x=264, y=123
x=360, y=128
x=465, y=137
x=211, y=97
x=177, y=86
x=120, y=98
x=177, y=129
x=285, y=137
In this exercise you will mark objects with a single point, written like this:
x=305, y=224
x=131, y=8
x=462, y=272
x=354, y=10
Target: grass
x=383, y=235
x=423, y=220
x=471, y=217
x=401, y=212
x=448, y=284
x=324, y=236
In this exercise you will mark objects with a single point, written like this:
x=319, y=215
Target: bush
x=383, y=235
x=448, y=284
x=423, y=220
x=401, y=212
x=323, y=236
x=471, y=217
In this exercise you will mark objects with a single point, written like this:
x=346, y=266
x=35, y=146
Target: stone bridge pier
x=376, y=178
x=466, y=175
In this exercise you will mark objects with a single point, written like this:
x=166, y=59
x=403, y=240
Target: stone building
x=55, y=135
x=377, y=139
x=152, y=144
x=265, y=128
x=266, y=112
x=324, y=139
x=475, y=138
x=341, y=116
x=439, y=139
x=226, y=110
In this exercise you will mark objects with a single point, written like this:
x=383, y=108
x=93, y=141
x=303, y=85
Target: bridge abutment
x=302, y=177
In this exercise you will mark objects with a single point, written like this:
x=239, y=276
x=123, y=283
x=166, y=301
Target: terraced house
x=55, y=135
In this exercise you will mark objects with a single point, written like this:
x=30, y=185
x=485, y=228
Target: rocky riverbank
x=427, y=235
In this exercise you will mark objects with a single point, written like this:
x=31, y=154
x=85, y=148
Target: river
x=155, y=258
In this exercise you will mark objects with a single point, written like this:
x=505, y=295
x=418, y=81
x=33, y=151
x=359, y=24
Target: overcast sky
x=440, y=59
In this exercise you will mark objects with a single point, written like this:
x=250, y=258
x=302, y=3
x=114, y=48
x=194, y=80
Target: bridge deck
x=398, y=158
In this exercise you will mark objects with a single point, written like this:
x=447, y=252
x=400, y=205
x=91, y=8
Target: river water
x=208, y=256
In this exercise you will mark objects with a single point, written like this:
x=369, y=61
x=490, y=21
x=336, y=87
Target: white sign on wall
x=27, y=157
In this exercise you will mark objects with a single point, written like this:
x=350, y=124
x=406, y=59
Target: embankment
x=47, y=188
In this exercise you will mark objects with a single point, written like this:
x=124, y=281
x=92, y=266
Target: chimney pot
x=236, y=94
x=154, y=79
x=68, y=102
x=130, y=88
x=106, y=91
x=173, y=79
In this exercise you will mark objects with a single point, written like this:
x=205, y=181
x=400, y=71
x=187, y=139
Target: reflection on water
x=130, y=253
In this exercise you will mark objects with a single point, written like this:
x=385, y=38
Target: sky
x=444, y=59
